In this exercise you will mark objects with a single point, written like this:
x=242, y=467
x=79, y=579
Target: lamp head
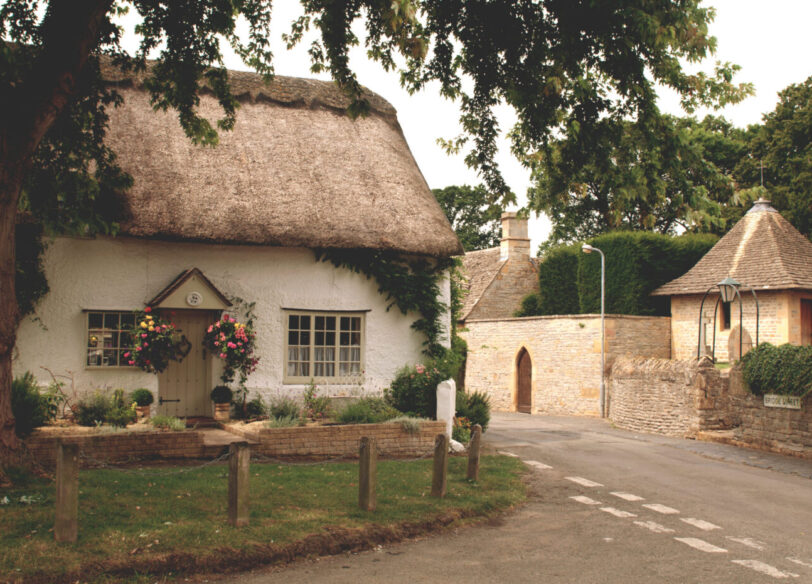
x=586, y=248
x=727, y=288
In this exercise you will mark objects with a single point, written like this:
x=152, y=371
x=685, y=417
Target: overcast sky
x=770, y=40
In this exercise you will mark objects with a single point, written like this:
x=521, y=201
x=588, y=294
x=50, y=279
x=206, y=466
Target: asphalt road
x=609, y=506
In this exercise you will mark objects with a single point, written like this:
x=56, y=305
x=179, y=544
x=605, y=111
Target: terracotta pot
x=222, y=412
x=142, y=412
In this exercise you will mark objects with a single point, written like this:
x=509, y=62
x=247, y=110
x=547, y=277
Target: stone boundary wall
x=694, y=399
x=343, y=440
x=121, y=447
x=662, y=396
x=565, y=352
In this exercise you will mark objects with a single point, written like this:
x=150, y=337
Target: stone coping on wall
x=566, y=316
x=331, y=441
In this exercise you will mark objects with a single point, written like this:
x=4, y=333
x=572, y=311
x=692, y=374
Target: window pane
x=291, y=368
x=305, y=369
x=330, y=339
x=93, y=338
x=329, y=369
x=356, y=324
x=293, y=321
x=330, y=354
x=355, y=339
x=318, y=369
x=127, y=319
x=345, y=323
x=111, y=320
x=94, y=357
x=319, y=323
x=345, y=339
x=95, y=320
x=293, y=338
x=110, y=358
x=305, y=323
x=319, y=338
x=331, y=323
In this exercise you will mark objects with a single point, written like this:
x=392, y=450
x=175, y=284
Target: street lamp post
x=586, y=248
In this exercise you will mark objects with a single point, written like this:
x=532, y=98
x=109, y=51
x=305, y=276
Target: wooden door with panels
x=806, y=321
x=524, y=382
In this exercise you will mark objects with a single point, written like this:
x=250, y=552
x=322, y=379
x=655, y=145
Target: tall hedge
x=558, y=281
x=785, y=370
x=636, y=264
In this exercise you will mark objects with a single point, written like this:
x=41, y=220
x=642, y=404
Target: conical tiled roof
x=763, y=251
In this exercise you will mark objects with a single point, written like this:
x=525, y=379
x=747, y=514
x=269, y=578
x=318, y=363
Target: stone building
x=539, y=364
x=763, y=252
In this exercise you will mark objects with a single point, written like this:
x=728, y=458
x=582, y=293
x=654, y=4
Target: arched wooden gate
x=524, y=382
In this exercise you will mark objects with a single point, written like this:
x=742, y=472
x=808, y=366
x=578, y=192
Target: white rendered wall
x=124, y=273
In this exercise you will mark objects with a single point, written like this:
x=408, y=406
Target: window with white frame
x=323, y=346
x=108, y=338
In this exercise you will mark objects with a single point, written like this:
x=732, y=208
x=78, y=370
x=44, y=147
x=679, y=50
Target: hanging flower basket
x=154, y=343
x=233, y=342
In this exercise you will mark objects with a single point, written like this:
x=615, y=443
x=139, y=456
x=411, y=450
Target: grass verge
x=160, y=521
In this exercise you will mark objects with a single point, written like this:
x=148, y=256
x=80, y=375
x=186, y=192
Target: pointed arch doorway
x=524, y=382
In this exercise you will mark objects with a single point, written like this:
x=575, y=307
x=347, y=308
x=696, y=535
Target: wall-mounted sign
x=194, y=298
x=790, y=402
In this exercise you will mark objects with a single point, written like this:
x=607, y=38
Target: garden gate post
x=439, y=479
x=66, y=526
x=238, y=476
x=473, y=453
x=367, y=471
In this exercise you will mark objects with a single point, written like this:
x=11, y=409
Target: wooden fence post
x=473, y=453
x=66, y=525
x=439, y=479
x=367, y=471
x=239, y=473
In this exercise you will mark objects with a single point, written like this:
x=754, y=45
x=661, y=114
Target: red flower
x=147, y=310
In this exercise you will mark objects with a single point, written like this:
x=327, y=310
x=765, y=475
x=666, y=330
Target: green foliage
x=31, y=408
x=408, y=424
x=461, y=434
x=119, y=416
x=558, y=274
x=153, y=342
x=636, y=264
x=101, y=408
x=142, y=397
x=785, y=370
x=168, y=423
x=411, y=285
x=529, y=306
x=414, y=390
x=30, y=284
x=367, y=410
x=283, y=422
x=256, y=408
x=474, y=407
x=284, y=407
x=221, y=394
x=476, y=223
x=316, y=407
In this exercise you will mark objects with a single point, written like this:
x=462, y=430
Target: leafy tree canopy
x=475, y=223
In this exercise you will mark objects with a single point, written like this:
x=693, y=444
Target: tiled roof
x=479, y=269
x=763, y=250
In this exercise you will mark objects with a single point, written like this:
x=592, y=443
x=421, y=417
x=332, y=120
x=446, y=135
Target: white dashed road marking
x=618, y=512
x=585, y=500
x=801, y=562
x=701, y=545
x=764, y=568
x=661, y=509
x=703, y=525
x=653, y=526
x=751, y=543
x=628, y=496
x=538, y=465
x=583, y=482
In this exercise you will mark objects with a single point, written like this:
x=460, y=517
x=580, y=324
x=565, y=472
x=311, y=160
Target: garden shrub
x=92, y=410
x=461, y=430
x=414, y=390
x=784, y=370
x=408, y=424
x=168, y=423
x=367, y=410
x=120, y=416
x=316, y=406
x=529, y=306
x=31, y=408
x=636, y=264
x=142, y=397
x=284, y=407
x=558, y=282
x=221, y=394
x=283, y=422
x=256, y=408
x=475, y=407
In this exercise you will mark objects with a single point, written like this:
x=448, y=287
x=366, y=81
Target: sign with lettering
x=791, y=402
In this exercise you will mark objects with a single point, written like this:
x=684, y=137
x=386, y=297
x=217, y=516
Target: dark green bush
x=284, y=407
x=784, y=370
x=93, y=410
x=530, y=305
x=636, y=264
x=558, y=276
x=120, y=416
x=367, y=410
x=221, y=394
x=31, y=408
x=256, y=408
x=142, y=397
x=414, y=390
x=476, y=407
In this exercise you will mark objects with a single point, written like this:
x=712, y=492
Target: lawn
x=161, y=520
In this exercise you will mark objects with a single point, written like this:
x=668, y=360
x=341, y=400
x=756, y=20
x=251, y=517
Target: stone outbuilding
x=764, y=253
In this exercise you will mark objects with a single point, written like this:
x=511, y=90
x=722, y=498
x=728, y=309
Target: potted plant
x=221, y=396
x=142, y=398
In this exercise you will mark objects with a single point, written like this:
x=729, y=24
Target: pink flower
x=147, y=309
x=208, y=330
x=239, y=343
x=146, y=344
x=419, y=368
x=127, y=354
x=138, y=348
x=216, y=343
x=222, y=355
x=131, y=362
x=144, y=335
x=231, y=345
x=242, y=350
x=217, y=324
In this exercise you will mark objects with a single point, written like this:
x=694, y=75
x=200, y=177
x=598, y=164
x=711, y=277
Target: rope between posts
x=151, y=472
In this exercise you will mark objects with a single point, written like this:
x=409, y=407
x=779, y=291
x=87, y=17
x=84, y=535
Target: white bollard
x=447, y=403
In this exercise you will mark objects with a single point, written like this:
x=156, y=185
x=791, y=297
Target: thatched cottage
x=208, y=226
x=762, y=252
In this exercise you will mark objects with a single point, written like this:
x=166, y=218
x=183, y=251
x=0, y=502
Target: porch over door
x=524, y=382
x=184, y=387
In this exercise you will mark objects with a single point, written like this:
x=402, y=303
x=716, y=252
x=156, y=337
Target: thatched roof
x=294, y=172
x=763, y=250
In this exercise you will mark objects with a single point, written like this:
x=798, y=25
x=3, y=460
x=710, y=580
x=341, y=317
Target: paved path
x=609, y=506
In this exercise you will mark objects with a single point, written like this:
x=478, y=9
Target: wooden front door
x=524, y=381
x=184, y=387
x=806, y=322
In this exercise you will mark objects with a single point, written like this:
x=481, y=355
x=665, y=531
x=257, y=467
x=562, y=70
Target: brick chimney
x=515, y=243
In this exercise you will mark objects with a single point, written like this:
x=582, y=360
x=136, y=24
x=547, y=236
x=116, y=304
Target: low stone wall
x=120, y=447
x=344, y=440
x=694, y=399
x=675, y=398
